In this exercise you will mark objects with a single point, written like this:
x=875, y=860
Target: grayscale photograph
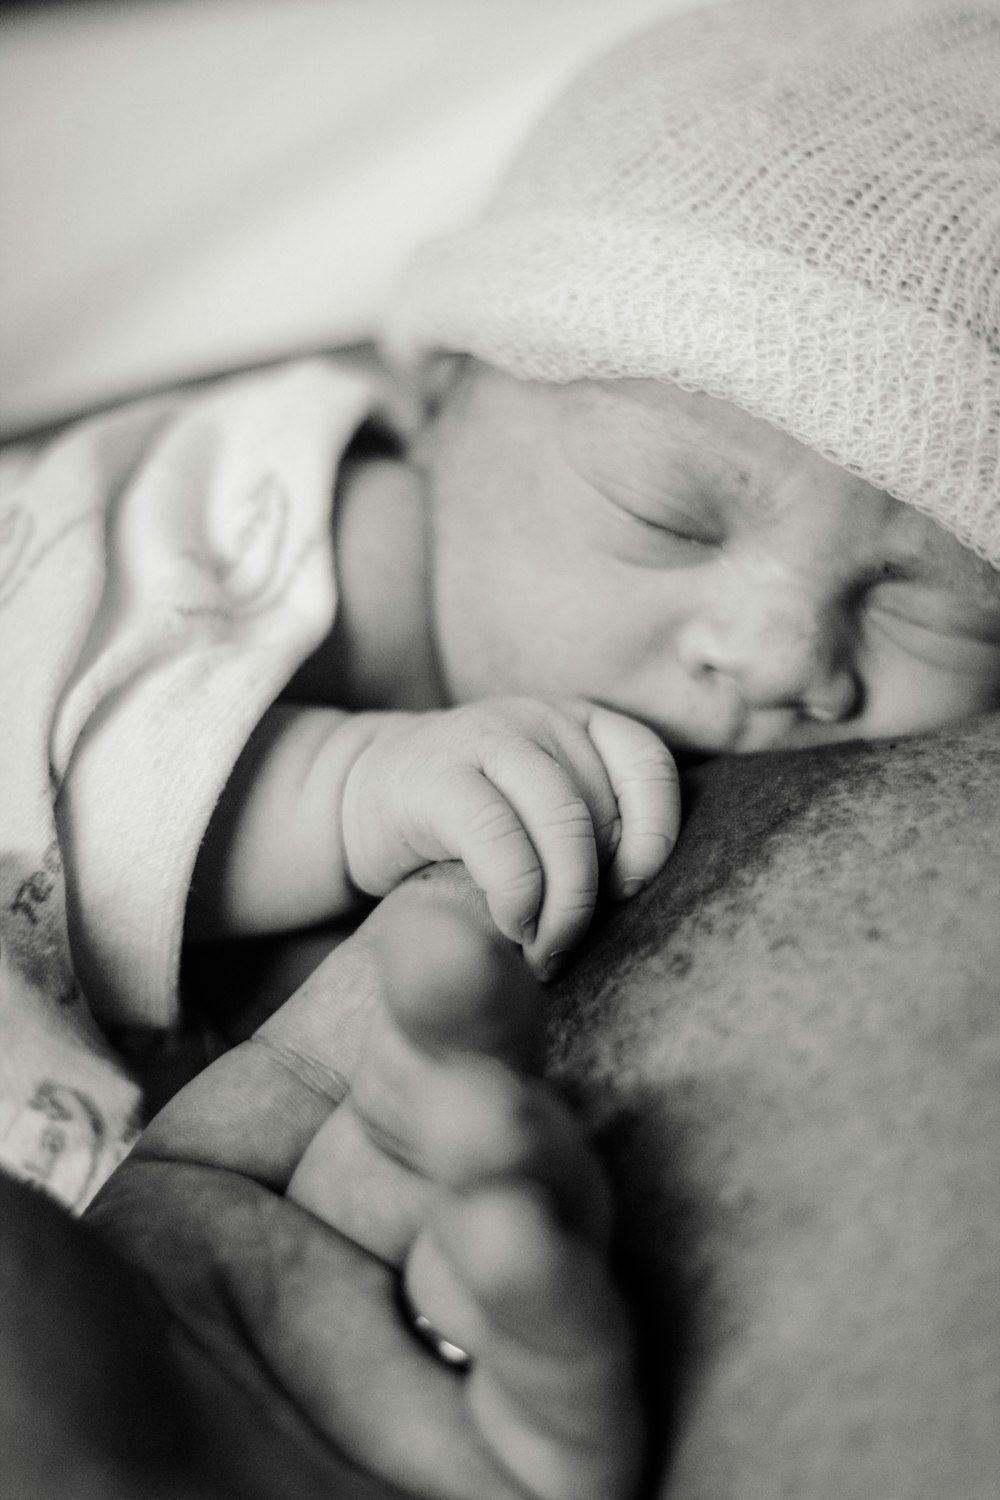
x=500, y=750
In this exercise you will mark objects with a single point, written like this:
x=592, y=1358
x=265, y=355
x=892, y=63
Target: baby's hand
x=536, y=797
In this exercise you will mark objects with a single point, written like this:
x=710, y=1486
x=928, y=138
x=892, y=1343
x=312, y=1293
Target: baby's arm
x=272, y=859
x=535, y=797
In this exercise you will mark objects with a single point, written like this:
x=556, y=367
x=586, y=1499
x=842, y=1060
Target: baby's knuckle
x=493, y=823
x=523, y=883
x=504, y=754
x=499, y=712
x=655, y=759
x=647, y=774
x=534, y=718
x=651, y=829
x=570, y=816
x=573, y=912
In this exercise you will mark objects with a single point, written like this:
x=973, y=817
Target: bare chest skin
x=789, y=1044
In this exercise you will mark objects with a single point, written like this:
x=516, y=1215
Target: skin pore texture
x=790, y=1052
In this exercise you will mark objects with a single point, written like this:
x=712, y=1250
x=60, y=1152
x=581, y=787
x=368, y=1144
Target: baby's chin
x=770, y=732
x=811, y=736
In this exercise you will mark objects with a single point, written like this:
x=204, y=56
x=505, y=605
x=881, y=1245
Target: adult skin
x=790, y=1047
x=794, y=1046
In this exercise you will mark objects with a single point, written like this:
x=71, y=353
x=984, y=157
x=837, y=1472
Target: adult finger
x=299, y=1062
x=446, y=989
x=553, y=1378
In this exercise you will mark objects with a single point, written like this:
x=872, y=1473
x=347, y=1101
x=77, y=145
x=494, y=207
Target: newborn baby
x=710, y=462
x=562, y=579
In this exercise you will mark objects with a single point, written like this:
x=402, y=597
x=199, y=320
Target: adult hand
x=282, y=1320
x=105, y=1396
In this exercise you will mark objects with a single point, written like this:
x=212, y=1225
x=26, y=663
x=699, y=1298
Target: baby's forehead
x=658, y=429
x=660, y=408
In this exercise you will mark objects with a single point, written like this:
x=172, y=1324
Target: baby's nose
x=779, y=648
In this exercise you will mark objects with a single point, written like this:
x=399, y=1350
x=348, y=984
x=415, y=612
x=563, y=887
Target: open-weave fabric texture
x=789, y=204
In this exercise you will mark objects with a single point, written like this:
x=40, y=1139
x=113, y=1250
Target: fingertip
x=451, y=986
x=564, y=922
x=504, y=1238
x=545, y=961
x=532, y=1277
x=516, y=914
x=515, y=905
x=553, y=965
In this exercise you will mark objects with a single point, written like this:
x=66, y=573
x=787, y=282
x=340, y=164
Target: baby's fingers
x=644, y=778
x=477, y=823
x=559, y=821
x=526, y=836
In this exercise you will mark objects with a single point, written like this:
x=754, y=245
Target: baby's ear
x=446, y=385
x=449, y=374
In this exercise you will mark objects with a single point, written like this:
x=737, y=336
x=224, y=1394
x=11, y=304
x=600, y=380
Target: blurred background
x=189, y=186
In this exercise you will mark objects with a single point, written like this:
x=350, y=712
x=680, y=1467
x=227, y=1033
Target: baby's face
x=665, y=554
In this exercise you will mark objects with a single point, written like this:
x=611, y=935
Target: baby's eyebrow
x=658, y=447
x=706, y=466
x=689, y=437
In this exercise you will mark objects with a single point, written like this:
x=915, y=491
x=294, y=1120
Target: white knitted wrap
x=790, y=204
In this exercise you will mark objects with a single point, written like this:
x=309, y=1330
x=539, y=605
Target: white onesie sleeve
x=164, y=570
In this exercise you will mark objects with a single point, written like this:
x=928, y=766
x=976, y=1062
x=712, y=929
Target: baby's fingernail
x=632, y=887
x=528, y=932
x=550, y=968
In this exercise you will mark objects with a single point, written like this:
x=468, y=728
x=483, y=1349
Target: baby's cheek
x=908, y=696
